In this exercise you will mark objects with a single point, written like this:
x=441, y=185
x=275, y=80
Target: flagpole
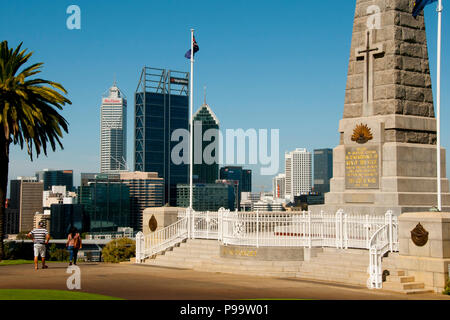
x=438, y=105
x=191, y=142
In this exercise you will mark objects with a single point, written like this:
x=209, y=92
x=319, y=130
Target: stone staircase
x=204, y=255
x=398, y=280
x=336, y=265
x=328, y=264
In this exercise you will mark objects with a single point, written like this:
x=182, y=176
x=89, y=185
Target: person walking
x=73, y=245
x=40, y=239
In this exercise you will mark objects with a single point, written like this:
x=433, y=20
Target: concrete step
x=417, y=291
x=400, y=279
x=223, y=261
x=250, y=268
x=395, y=286
x=348, y=276
x=204, y=255
x=322, y=260
x=345, y=280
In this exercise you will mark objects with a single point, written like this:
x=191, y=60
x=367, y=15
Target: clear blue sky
x=266, y=64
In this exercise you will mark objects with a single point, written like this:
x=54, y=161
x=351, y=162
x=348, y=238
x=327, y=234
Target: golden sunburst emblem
x=362, y=134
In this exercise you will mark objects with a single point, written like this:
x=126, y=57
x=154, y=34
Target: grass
x=37, y=294
x=22, y=261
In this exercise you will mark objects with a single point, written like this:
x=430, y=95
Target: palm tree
x=28, y=113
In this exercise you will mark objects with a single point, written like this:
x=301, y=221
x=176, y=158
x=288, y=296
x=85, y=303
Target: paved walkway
x=148, y=282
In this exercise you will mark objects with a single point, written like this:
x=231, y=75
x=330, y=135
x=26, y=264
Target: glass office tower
x=161, y=107
x=65, y=216
x=107, y=204
x=113, y=132
x=56, y=178
x=206, y=197
x=323, y=170
x=204, y=172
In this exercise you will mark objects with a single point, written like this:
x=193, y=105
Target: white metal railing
x=378, y=234
x=159, y=241
x=303, y=229
x=382, y=241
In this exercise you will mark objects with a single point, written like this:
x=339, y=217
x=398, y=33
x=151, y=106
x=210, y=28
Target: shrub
x=15, y=250
x=447, y=288
x=58, y=254
x=119, y=250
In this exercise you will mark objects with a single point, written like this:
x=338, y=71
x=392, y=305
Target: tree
x=119, y=250
x=28, y=113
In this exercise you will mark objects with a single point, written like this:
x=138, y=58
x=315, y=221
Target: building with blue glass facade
x=107, y=205
x=243, y=176
x=161, y=107
x=56, y=178
x=65, y=216
x=323, y=170
x=206, y=196
x=206, y=121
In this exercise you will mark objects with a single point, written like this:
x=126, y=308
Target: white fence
x=378, y=234
x=302, y=229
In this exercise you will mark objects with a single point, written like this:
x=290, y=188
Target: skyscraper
x=161, y=107
x=26, y=197
x=204, y=172
x=107, y=204
x=242, y=176
x=323, y=170
x=113, y=132
x=146, y=191
x=279, y=186
x=298, y=172
x=52, y=178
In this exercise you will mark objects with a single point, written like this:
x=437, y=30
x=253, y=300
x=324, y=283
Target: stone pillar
x=424, y=250
x=155, y=219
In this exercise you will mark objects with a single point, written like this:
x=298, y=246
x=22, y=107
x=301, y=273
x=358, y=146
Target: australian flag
x=419, y=5
x=188, y=54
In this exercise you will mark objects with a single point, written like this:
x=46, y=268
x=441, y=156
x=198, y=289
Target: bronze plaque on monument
x=362, y=167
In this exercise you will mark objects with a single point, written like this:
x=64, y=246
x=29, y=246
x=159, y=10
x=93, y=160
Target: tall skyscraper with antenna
x=113, y=132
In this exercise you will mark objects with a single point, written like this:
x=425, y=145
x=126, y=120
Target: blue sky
x=266, y=64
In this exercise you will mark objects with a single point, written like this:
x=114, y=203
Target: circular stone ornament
x=419, y=236
x=153, y=224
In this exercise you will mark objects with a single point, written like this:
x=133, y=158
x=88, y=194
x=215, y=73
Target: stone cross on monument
x=386, y=157
x=368, y=54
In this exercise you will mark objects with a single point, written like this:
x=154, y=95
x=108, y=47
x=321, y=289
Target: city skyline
x=281, y=73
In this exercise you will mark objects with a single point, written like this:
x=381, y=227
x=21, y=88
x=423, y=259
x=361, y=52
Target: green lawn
x=34, y=294
x=21, y=261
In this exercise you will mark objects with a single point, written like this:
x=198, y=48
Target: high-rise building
x=161, y=107
x=65, y=216
x=113, y=132
x=107, y=204
x=12, y=221
x=242, y=176
x=298, y=172
x=279, y=186
x=205, y=172
x=99, y=177
x=26, y=197
x=323, y=170
x=52, y=178
x=146, y=191
x=206, y=196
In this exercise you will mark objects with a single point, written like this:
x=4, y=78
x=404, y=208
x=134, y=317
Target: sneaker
x=44, y=267
x=70, y=263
